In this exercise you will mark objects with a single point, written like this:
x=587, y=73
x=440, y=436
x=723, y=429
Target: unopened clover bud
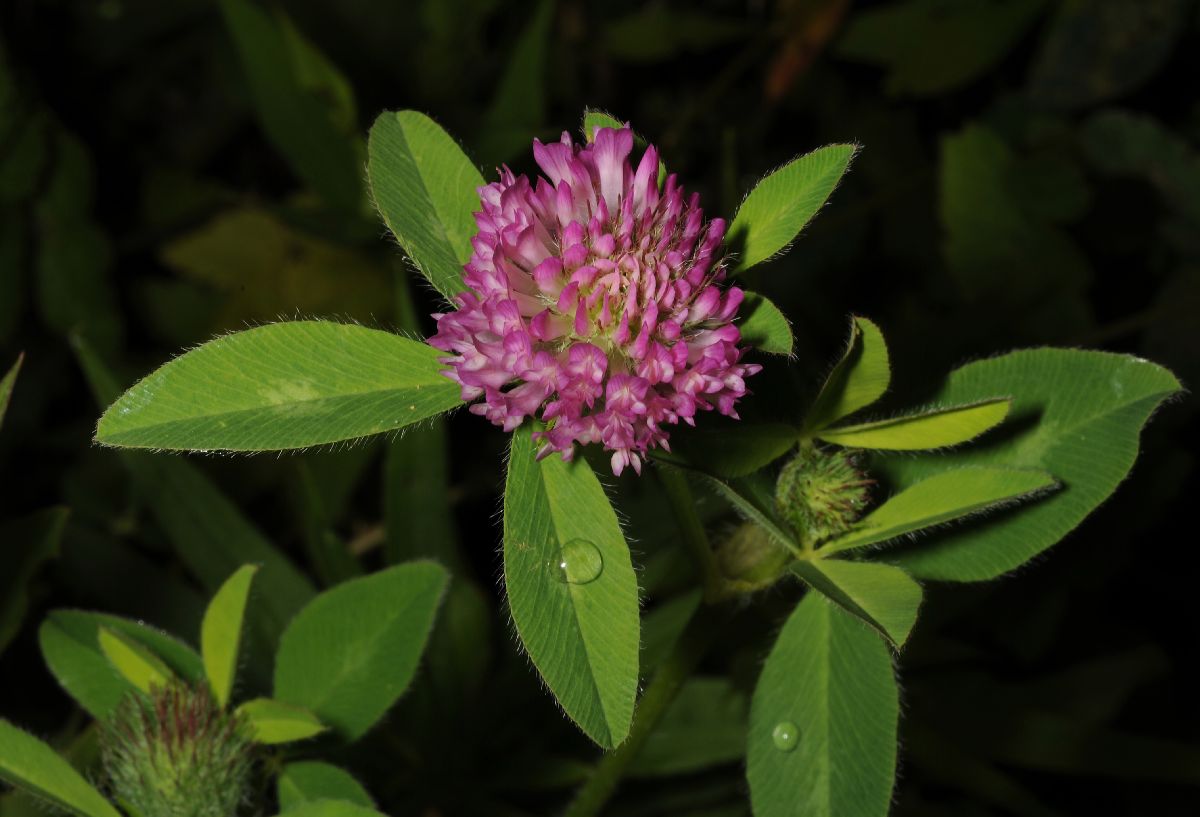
x=174, y=753
x=750, y=559
x=821, y=492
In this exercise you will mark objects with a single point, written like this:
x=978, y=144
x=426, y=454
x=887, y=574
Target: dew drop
x=785, y=735
x=578, y=562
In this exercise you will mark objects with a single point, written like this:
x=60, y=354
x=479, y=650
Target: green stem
x=679, y=494
x=685, y=656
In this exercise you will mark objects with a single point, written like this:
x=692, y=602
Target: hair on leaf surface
x=856, y=148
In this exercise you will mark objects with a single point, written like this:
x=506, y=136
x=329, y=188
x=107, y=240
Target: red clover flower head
x=594, y=304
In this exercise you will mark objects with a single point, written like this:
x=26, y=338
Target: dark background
x=1029, y=175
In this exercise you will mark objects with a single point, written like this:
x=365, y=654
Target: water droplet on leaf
x=578, y=562
x=786, y=736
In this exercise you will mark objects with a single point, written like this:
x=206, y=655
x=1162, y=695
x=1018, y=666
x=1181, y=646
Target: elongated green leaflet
x=571, y=588
x=70, y=642
x=1075, y=414
x=307, y=780
x=859, y=379
x=221, y=632
x=286, y=385
x=294, y=117
x=883, y=596
x=704, y=726
x=207, y=531
x=518, y=107
x=29, y=763
x=29, y=542
x=137, y=664
x=752, y=498
x=425, y=189
x=354, y=649
x=274, y=722
x=942, y=498
x=6, y=386
x=823, y=719
x=780, y=205
x=932, y=429
x=417, y=510
x=764, y=326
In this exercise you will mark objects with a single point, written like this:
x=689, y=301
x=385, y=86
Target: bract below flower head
x=595, y=304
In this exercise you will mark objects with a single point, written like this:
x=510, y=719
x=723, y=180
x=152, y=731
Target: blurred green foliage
x=1029, y=174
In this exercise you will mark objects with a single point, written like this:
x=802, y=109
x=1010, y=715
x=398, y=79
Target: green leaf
x=221, y=632
x=313, y=780
x=1097, y=51
x=663, y=625
x=424, y=188
x=30, y=764
x=780, y=205
x=273, y=722
x=1128, y=144
x=593, y=119
x=579, y=624
x=330, y=808
x=208, y=532
x=656, y=32
x=416, y=479
x=937, y=428
x=26, y=154
x=753, y=498
x=931, y=46
x=1075, y=414
x=704, y=726
x=859, y=379
x=353, y=650
x=458, y=658
x=6, y=386
x=518, y=108
x=734, y=449
x=313, y=493
x=1017, y=271
x=830, y=679
x=941, y=498
x=75, y=291
x=13, y=250
x=137, y=665
x=764, y=327
x=29, y=542
x=286, y=385
x=70, y=642
x=292, y=113
x=883, y=596
x=319, y=77
x=417, y=511
x=255, y=265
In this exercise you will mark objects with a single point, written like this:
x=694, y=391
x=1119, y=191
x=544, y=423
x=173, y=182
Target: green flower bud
x=174, y=753
x=821, y=492
x=750, y=559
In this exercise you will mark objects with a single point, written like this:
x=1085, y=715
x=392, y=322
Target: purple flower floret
x=594, y=304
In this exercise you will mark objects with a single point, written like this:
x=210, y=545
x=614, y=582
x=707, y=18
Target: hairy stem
x=685, y=656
